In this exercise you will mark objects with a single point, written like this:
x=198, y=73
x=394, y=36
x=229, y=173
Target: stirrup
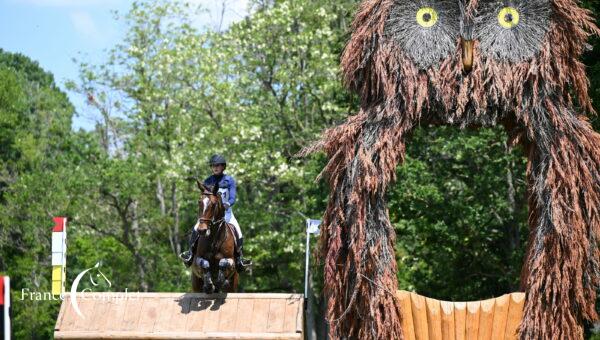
x=187, y=257
x=243, y=263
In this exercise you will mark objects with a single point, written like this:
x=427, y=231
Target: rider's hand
x=226, y=205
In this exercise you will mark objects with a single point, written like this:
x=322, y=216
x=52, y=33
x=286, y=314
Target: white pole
x=307, y=263
x=6, y=308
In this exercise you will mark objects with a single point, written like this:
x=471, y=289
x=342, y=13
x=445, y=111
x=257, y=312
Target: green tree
x=35, y=121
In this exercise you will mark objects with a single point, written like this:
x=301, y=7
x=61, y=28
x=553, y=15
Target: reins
x=216, y=242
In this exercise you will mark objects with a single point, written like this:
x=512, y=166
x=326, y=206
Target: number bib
x=224, y=192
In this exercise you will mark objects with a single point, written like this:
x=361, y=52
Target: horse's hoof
x=220, y=278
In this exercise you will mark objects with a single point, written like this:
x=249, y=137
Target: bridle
x=211, y=222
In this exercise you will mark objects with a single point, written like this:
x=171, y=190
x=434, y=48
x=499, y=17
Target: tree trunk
x=160, y=196
x=140, y=261
x=175, y=207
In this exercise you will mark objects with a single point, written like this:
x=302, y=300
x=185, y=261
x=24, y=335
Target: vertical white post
x=312, y=227
x=6, y=308
x=307, y=261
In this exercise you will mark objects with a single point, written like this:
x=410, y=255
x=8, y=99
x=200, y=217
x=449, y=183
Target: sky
x=53, y=32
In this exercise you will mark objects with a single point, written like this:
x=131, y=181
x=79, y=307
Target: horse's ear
x=200, y=185
x=215, y=189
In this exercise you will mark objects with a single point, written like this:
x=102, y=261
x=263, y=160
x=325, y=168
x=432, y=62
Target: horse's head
x=211, y=212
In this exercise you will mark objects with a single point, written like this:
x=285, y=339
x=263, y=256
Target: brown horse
x=214, y=254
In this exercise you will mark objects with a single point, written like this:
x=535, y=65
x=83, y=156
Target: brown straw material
x=535, y=97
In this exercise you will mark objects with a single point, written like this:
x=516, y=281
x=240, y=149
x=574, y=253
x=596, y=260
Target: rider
x=227, y=189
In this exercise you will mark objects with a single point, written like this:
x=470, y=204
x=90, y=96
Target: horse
x=215, y=246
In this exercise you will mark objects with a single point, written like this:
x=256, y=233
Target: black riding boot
x=240, y=262
x=188, y=255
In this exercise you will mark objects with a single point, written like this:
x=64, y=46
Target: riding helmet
x=217, y=159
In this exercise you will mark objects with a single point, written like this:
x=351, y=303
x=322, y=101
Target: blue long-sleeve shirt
x=227, y=187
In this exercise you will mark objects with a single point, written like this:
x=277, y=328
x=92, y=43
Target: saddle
x=231, y=228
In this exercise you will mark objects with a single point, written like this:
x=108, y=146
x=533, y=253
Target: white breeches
x=230, y=218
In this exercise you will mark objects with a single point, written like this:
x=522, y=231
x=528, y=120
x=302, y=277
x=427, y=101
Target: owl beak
x=467, y=54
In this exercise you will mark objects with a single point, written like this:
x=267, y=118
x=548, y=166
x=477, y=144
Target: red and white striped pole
x=5, y=305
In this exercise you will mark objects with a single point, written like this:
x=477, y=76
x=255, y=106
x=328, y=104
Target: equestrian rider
x=227, y=189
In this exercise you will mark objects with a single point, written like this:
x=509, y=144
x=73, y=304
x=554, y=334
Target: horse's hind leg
x=197, y=284
x=234, y=282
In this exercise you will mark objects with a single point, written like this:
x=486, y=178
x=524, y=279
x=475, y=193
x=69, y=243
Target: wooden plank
x=152, y=295
x=61, y=314
x=290, y=315
x=500, y=314
x=199, y=308
x=472, y=324
x=434, y=319
x=260, y=315
x=460, y=320
x=486, y=319
x=243, y=322
x=163, y=315
x=178, y=335
x=408, y=327
x=131, y=317
x=448, y=327
x=419, y=312
x=149, y=314
x=101, y=316
x=515, y=315
x=174, y=319
x=228, y=315
x=117, y=314
x=183, y=312
x=275, y=319
x=211, y=319
x=69, y=316
x=163, y=322
x=86, y=306
x=300, y=318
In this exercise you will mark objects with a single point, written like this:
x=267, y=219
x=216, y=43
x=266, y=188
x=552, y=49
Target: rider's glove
x=226, y=205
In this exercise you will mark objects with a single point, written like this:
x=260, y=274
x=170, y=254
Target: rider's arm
x=232, y=191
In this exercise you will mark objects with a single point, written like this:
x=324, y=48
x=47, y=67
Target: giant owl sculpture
x=469, y=64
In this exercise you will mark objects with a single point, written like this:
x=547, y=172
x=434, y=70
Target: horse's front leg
x=204, y=272
x=226, y=269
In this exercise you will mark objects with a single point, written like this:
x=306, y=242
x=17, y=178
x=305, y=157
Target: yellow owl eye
x=508, y=17
x=427, y=17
